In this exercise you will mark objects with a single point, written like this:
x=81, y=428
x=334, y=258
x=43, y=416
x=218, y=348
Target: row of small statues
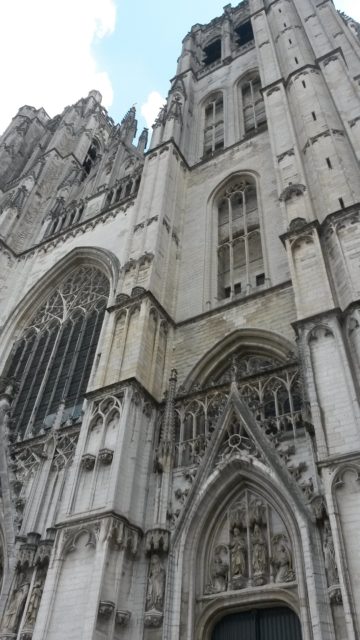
x=16, y=606
x=233, y=562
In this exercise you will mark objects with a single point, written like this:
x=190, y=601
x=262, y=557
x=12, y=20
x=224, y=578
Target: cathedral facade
x=180, y=347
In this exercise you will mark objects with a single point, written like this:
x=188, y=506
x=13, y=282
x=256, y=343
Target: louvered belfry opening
x=52, y=360
x=278, y=623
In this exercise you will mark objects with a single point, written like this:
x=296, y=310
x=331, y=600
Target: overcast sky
x=54, y=53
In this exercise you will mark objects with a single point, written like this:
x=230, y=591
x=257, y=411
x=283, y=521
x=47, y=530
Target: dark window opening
x=313, y=115
x=342, y=205
x=245, y=33
x=227, y=292
x=212, y=52
x=237, y=287
x=328, y=162
x=260, y=279
x=297, y=61
x=290, y=41
x=90, y=158
x=285, y=25
x=304, y=84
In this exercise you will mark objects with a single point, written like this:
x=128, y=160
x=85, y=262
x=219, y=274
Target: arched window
x=53, y=358
x=240, y=259
x=91, y=157
x=214, y=124
x=253, y=108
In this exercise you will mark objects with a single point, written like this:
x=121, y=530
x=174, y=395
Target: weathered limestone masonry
x=180, y=347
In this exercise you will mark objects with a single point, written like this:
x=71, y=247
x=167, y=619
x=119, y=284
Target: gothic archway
x=276, y=623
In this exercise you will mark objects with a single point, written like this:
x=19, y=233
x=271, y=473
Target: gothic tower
x=180, y=347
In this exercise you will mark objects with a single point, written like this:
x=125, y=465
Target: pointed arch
x=249, y=340
x=101, y=259
x=56, y=365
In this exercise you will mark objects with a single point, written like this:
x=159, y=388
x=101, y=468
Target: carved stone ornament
x=157, y=540
x=259, y=556
x=153, y=618
x=26, y=635
x=219, y=570
x=88, y=461
x=292, y=190
x=124, y=537
x=26, y=556
x=329, y=557
x=34, y=601
x=250, y=548
x=122, y=617
x=15, y=609
x=282, y=559
x=335, y=595
x=106, y=608
x=43, y=552
x=155, y=586
x=106, y=456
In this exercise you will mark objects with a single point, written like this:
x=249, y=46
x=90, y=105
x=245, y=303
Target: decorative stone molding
x=106, y=456
x=157, y=540
x=318, y=506
x=291, y=191
x=106, y=609
x=123, y=536
x=72, y=535
x=122, y=617
x=153, y=618
x=88, y=461
x=335, y=594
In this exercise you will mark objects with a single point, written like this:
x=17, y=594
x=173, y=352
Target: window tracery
x=240, y=257
x=53, y=358
x=272, y=390
x=252, y=103
x=214, y=124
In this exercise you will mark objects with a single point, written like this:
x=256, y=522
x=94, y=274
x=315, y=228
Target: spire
x=143, y=140
x=129, y=125
x=166, y=446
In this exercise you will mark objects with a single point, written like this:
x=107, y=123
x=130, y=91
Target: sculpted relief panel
x=250, y=549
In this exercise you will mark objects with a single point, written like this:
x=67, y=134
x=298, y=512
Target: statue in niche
x=257, y=513
x=156, y=585
x=219, y=571
x=329, y=555
x=238, y=559
x=34, y=602
x=15, y=608
x=259, y=556
x=282, y=560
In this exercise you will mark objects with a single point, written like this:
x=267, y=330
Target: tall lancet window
x=214, y=124
x=240, y=257
x=253, y=108
x=53, y=358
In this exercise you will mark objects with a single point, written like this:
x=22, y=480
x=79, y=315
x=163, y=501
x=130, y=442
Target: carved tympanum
x=250, y=548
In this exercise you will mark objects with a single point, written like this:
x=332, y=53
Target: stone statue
x=219, y=571
x=259, y=556
x=34, y=602
x=282, y=560
x=238, y=554
x=329, y=555
x=156, y=585
x=15, y=608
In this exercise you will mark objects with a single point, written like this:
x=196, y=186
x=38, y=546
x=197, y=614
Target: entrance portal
x=279, y=623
